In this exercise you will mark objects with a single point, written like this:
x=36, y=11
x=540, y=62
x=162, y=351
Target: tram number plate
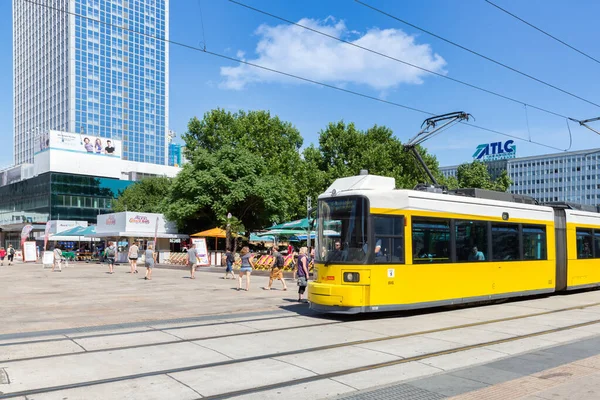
x=391, y=272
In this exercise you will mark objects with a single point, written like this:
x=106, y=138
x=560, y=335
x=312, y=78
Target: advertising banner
x=48, y=258
x=25, y=234
x=47, y=233
x=29, y=252
x=78, y=143
x=202, y=251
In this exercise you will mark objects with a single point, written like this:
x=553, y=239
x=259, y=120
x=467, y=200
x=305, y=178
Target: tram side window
x=584, y=243
x=389, y=239
x=505, y=242
x=471, y=240
x=430, y=240
x=534, y=242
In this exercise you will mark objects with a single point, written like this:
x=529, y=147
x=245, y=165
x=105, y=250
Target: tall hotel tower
x=77, y=70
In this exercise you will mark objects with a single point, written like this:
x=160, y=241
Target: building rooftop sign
x=496, y=151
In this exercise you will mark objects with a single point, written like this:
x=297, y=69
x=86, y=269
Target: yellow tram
x=381, y=249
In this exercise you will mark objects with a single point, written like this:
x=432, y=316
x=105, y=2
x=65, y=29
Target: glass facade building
x=75, y=74
x=570, y=176
x=53, y=196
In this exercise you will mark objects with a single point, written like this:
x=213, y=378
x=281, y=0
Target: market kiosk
x=126, y=228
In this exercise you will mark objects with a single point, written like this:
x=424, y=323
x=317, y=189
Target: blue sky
x=200, y=82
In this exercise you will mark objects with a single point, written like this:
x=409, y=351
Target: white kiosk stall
x=125, y=228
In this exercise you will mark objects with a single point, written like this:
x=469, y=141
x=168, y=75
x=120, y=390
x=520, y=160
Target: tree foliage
x=344, y=150
x=229, y=179
x=277, y=142
x=476, y=175
x=148, y=195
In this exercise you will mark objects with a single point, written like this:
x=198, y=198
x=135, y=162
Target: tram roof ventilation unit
x=494, y=195
x=573, y=206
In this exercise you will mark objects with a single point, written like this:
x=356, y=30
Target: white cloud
x=295, y=50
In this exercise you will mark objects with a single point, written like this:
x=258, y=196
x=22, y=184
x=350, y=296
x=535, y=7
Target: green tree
x=344, y=150
x=277, y=142
x=476, y=175
x=229, y=179
x=148, y=195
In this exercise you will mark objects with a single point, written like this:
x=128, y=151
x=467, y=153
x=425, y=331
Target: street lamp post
x=228, y=233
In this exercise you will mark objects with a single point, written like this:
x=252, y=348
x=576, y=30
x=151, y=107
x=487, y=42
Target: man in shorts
x=276, y=269
x=192, y=260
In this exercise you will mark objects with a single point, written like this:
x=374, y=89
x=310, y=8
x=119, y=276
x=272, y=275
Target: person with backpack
x=276, y=269
x=229, y=260
x=111, y=253
x=11, y=254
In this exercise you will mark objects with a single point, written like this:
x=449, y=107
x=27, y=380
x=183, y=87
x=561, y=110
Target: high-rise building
x=75, y=74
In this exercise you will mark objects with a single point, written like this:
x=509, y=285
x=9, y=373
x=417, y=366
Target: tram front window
x=342, y=231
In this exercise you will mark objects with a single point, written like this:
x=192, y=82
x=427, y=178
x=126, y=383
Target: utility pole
x=228, y=233
x=308, y=206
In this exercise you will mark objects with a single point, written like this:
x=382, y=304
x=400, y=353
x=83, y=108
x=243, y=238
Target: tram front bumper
x=348, y=299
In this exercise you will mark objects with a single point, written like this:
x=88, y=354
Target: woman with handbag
x=302, y=272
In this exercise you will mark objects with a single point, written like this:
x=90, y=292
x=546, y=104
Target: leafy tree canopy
x=148, y=195
x=344, y=150
x=229, y=179
x=476, y=175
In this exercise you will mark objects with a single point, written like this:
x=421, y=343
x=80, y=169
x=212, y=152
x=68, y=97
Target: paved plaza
x=86, y=334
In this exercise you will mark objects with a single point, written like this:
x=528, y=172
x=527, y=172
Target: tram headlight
x=351, y=277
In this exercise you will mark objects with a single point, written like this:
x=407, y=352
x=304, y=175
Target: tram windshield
x=342, y=230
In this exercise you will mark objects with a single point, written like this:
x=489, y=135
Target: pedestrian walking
x=111, y=253
x=276, y=269
x=57, y=259
x=192, y=260
x=150, y=260
x=302, y=272
x=133, y=257
x=247, y=265
x=229, y=260
x=11, y=254
x=2, y=256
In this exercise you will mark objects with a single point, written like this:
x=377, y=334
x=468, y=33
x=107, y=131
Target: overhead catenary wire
x=476, y=53
x=397, y=59
x=542, y=31
x=195, y=48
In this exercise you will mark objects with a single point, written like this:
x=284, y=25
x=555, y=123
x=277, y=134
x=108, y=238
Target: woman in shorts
x=150, y=257
x=133, y=257
x=247, y=264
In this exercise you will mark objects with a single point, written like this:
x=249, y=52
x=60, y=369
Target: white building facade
x=566, y=177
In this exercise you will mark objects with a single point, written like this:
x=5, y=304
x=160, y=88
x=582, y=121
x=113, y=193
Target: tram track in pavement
x=303, y=351
x=241, y=322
